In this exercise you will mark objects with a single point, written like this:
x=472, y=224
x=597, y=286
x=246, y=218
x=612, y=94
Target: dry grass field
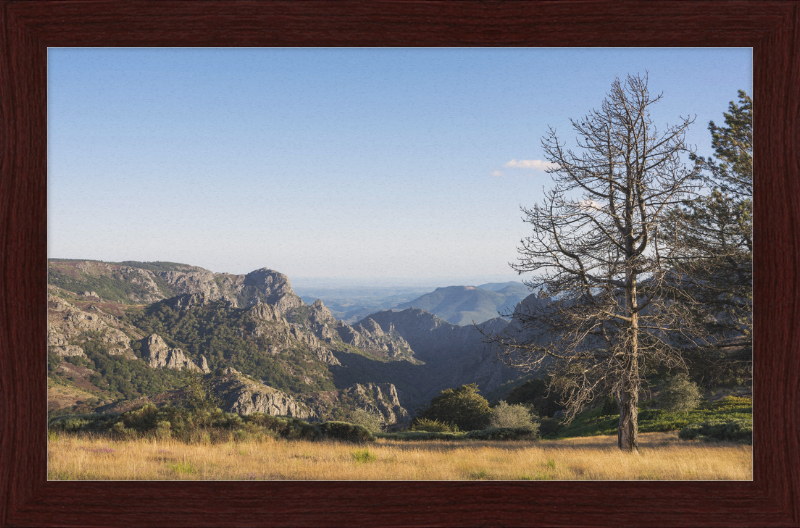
x=661, y=457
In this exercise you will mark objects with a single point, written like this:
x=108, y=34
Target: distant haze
x=393, y=282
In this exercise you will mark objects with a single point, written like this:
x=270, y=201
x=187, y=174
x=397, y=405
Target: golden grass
x=661, y=457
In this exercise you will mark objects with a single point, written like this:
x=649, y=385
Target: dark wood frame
x=29, y=27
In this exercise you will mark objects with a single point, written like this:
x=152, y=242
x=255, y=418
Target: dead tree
x=596, y=251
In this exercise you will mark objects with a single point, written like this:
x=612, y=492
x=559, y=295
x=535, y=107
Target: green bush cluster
x=206, y=425
x=610, y=405
x=82, y=422
x=462, y=407
x=371, y=421
x=215, y=330
x=118, y=375
x=739, y=431
x=517, y=416
x=432, y=426
x=679, y=394
x=53, y=361
x=345, y=431
x=735, y=404
x=549, y=427
x=502, y=433
x=535, y=392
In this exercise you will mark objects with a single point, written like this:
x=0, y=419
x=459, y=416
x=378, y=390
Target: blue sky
x=389, y=166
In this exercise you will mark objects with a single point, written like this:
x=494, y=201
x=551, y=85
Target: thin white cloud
x=589, y=204
x=530, y=164
x=497, y=173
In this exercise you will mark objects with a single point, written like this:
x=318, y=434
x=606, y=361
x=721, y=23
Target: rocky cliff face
x=315, y=326
x=68, y=326
x=156, y=352
x=380, y=398
x=453, y=355
x=368, y=335
x=260, y=286
x=244, y=396
x=199, y=281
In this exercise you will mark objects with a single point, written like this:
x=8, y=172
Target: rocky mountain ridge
x=179, y=318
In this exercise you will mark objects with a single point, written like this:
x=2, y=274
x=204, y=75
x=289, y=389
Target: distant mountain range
x=122, y=334
x=351, y=304
x=465, y=305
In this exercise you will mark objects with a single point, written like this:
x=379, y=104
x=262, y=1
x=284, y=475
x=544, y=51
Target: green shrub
x=371, y=421
x=198, y=393
x=733, y=404
x=70, y=424
x=53, y=361
x=143, y=419
x=502, y=433
x=549, y=427
x=363, y=456
x=535, y=392
x=164, y=429
x=723, y=430
x=463, y=407
x=345, y=431
x=432, y=426
x=297, y=429
x=81, y=422
x=610, y=405
x=514, y=416
x=679, y=394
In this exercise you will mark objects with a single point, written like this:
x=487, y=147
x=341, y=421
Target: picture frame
x=29, y=27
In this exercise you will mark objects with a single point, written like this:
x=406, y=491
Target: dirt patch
x=78, y=375
x=60, y=396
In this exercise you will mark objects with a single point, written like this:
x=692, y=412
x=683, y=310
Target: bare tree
x=595, y=250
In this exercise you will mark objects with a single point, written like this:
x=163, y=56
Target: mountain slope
x=125, y=339
x=122, y=333
x=453, y=355
x=463, y=305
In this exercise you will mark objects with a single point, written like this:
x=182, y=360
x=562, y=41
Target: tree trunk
x=628, y=430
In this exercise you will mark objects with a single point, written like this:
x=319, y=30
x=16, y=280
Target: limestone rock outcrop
x=68, y=351
x=68, y=325
x=186, y=301
x=158, y=355
x=380, y=398
x=368, y=335
x=197, y=280
x=244, y=396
